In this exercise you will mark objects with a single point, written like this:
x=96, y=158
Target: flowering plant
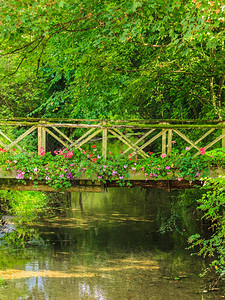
x=60, y=168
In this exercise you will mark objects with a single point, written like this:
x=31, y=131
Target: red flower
x=130, y=158
x=121, y=152
x=94, y=159
x=94, y=146
x=42, y=151
x=13, y=149
x=150, y=153
x=202, y=151
x=90, y=155
x=110, y=152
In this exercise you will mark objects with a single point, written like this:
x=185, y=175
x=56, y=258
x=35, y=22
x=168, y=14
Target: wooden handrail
x=148, y=132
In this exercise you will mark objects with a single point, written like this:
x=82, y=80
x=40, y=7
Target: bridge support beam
x=41, y=139
x=104, y=142
x=223, y=139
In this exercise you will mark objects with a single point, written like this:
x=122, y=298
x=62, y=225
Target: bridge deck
x=84, y=184
x=134, y=137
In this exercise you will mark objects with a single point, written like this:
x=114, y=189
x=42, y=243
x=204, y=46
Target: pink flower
x=187, y=148
x=163, y=155
x=202, y=151
x=42, y=151
x=69, y=154
x=167, y=167
x=180, y=178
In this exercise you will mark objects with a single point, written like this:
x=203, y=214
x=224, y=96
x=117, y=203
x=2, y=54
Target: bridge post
x=223, y=139
x=164, y=142
x=170, y=133
x=41, y=139
x=164, y=136
x=104, y=141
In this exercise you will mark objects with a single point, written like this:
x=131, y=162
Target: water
x=107, y=246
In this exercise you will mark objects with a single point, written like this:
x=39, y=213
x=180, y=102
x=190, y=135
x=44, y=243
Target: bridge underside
x=94, y=186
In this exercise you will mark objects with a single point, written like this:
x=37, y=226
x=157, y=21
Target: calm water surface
x=108, y=246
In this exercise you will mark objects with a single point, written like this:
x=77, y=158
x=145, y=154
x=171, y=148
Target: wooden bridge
x=139, y=137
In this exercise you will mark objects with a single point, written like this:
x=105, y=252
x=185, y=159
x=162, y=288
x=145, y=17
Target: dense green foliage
x=99, y=58
x=25, y=205
x=212, y=206
x=115, y=59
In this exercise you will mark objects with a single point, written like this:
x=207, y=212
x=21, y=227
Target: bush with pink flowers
x=60, y=168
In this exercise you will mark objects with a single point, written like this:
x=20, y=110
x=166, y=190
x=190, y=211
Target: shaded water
x=108, y=246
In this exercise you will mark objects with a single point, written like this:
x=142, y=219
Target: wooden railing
x=136, y=136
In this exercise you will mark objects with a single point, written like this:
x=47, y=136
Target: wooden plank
x=41, y=139
x=212, y=143
x=57, y=138
x=153, y=139
x=18, y=186
x=83, y=136
x=170, y=136
x=129, y=144
x=215, y=141
x=133, y=145
x=63, y=135
x=6, y=137
x=21, y=137
x=164, y=142
x=141, y=139
x=204, y=135
x=104, y=142
x=186, y=139
x=137, y=125
x=88, y=138
x=223, y=139
x=67, y=125
x=121, y=121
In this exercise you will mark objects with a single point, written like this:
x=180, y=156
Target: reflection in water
x=108, y=246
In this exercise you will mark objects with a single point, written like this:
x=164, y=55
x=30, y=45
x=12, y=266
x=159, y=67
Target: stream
x=123, y=244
